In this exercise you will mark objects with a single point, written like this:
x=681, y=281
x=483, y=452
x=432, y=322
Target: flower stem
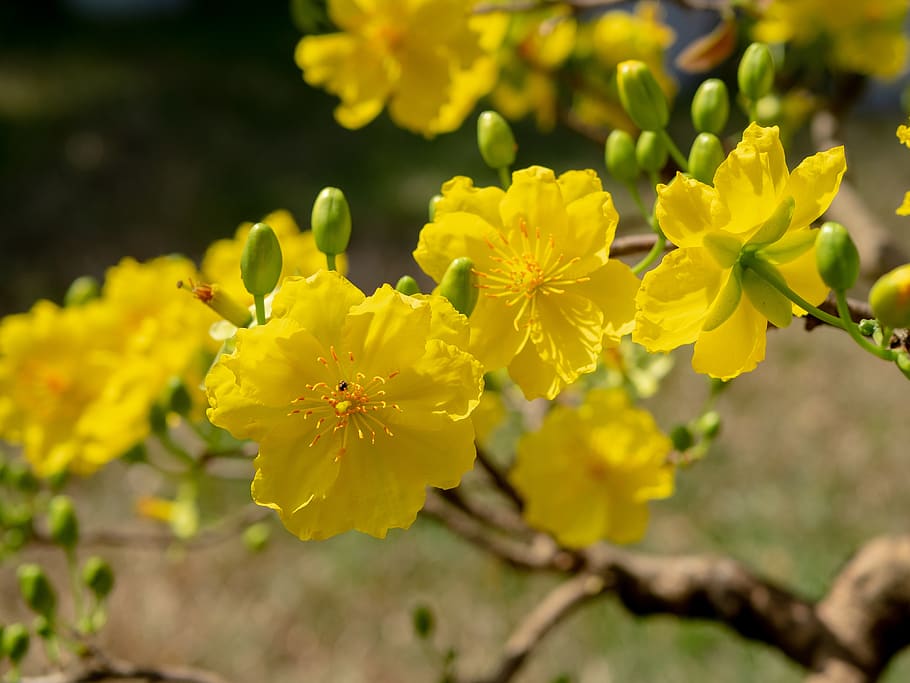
x=259, y=300
x=505, y=178
x=652, y=255
x=674, y=151
x=329, y=262
x=844, y=310
x=778, y=284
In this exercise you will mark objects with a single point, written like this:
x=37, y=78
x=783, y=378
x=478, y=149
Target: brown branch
x=113, y=670
x=499, y=479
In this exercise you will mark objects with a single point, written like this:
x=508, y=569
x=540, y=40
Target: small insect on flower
x=342, y=386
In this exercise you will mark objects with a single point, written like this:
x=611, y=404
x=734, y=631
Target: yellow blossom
x=427, y=59
x=903, y=134
x=221, y=262
x=550, y=297
x=357, y=404
x=590, y=471
x=862, y=37
x=65, y=395
x=751, y=228
x=904, y=208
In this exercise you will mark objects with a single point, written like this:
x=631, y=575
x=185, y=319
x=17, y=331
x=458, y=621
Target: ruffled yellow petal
x=675, y=298
x=814, y=184
x=452, y=235
x=613, y=288
x=319, y=303
x=536, y=378
x=534, y=201
x=496, y=334
x=460, y=195
x=568, y=334
x=735, y=347
x=592, y=226
x=686, y=210
x=422, y=90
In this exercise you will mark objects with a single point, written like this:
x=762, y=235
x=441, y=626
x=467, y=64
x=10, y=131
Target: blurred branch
x=112, y=670
x=847, y=637
x=499, y=479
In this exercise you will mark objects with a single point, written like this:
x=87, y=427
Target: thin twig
x=112, y=670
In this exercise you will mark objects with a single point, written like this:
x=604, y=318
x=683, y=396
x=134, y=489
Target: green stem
x=844, y=310
x=886, y=337
x=505, y=178
x=674, y=151
x=651, y=256
x=330, y=261
x=72, y=565
x=259, y=300
x=175, y=449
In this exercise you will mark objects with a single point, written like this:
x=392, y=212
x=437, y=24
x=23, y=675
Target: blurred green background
x=163, y=130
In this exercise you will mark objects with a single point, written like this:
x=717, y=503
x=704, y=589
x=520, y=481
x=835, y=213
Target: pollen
x=355, y=404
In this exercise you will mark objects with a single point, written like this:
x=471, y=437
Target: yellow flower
x=862, y=37
x=904, y=208
x=221, y=262
x=426, y=58
x=589, y=472
x=65, y=396
x=709, y=291
x=550, y=298
x=357, y=403
x=537, y=45
x=903, y=134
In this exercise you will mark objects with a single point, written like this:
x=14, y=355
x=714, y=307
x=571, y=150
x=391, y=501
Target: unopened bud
x=709, y=424
x=214, y=296
x=836, y=256
x=37, y=590
x=260, y=262
x=769, y=110
x=407, y=285
x=705, y=155
x=176, y=397
x=44, y=627
x=867, y=326
x=62, y=522
x=15, y=642
x=157, y=419
x=641, y=96
x=331, y=221
x=256, y=537
x=81, y=291
x=98, y=576
x=619, y=156
x=459, y=285
x=651, y=151
x=711, y=106
x=756, y=71
x=423, y=621
x=495, y=140
x=890, y=297
x=682, y=438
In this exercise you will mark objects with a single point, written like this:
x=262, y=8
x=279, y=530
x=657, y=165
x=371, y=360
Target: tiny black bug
x=342, y=386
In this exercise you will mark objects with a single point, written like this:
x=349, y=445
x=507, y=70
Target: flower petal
x=496, y=334
x=735, y=347
x=686, y=210
x=452, y=235
x=568, y=333
x=534, y=203
x=459, y=194
x=612, y=287
x=814, y=183
x=319, y=303
x=674, y=299
x=802, y=277
x=536, y=378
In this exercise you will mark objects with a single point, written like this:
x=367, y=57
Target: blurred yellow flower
x=707, y=291
x=590, y=471
x=862, y=37
x=427, y=59
x=536, y=45
x=550, y=297
x=904, y=208
x=357, y=404
x=221, y=262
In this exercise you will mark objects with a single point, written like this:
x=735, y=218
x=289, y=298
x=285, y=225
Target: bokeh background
x=147, y=127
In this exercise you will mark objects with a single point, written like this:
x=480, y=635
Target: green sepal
x=723, y=247
x=766, y=299
x=777, y=224
x=726, y=301
x=788, y=247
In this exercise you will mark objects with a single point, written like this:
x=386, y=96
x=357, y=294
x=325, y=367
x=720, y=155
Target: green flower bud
x=407, y=285
x=81, y=291
x=256, y=537
x=431, y=207
x=867, y=326
x=98, y=576
x=769, y=110
x=836, y=257
x=650, y=151
x=37, y=590
x=890, y=297
x=495, y=140
x=44, y=627
x=459, y=285
x=136, y=454
x=682, y=438
x=20, y=477
x=424, y=621
x=756, y=71
x=260, y=262
x=619, y=156
x=709, y=424
x=331, y=221
x=62, y=522
x=641, y=96
x=158, y=419
x=15, y=642
x=705, y=155
x=176, y=397
x=711, y=106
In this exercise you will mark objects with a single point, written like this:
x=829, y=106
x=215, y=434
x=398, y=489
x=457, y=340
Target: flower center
x=528, y=266
x=356, y=401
